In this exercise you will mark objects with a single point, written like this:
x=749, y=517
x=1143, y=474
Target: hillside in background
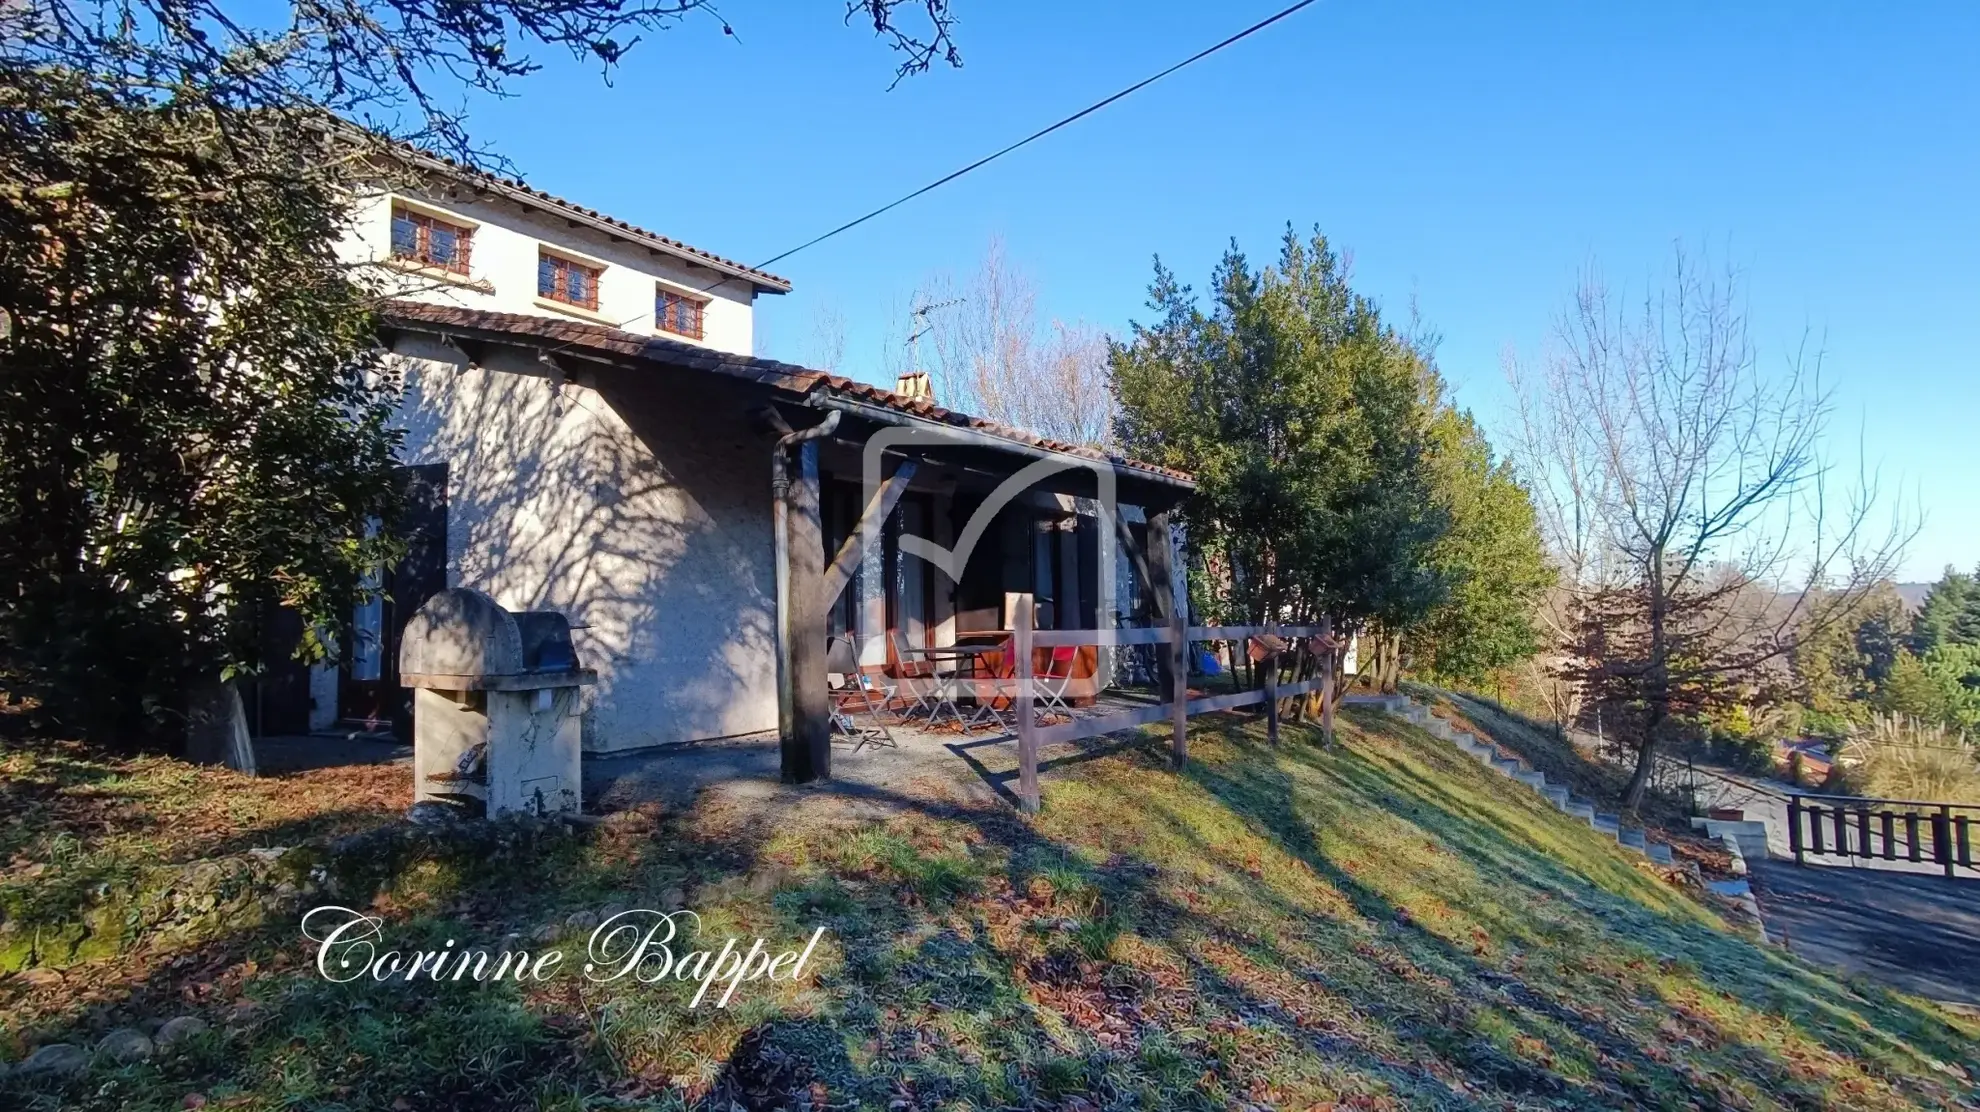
x=1913, y=594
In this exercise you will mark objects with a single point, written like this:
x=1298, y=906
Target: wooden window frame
x=559, y=290
x=663, y=298
x=422, y=253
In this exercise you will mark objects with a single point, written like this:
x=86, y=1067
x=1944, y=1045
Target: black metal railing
x=1883, y=829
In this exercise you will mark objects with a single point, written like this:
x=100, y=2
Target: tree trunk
x=1639, y=780
x=1657, y=688
x=216, y=728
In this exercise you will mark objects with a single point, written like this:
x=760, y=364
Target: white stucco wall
x=502, y=268
x=639, y=506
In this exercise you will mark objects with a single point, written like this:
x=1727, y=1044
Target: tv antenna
x=922, y=328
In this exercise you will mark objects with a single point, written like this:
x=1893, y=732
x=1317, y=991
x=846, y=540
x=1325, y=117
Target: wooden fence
x=1890, y=829
x=1177, y=708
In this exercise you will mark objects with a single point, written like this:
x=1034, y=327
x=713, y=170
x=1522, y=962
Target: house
x=587, y=432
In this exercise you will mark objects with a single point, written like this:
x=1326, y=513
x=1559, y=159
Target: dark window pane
x=546, y=277
x=443, y=245
x=580, y=285
x=405, y=235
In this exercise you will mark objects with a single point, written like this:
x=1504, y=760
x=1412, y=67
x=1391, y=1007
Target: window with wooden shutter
x=567, y=280
x=430, y=241
x=678, y=313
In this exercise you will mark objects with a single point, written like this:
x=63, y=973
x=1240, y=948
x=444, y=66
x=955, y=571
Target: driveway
x=1917, y=933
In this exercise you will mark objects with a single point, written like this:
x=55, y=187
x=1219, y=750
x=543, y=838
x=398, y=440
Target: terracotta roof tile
x=513, y=185
x=603, y=339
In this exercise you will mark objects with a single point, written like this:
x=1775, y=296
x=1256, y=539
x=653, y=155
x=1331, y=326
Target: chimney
x=914, y=384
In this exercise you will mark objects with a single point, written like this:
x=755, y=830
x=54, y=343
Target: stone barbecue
x=495, y=706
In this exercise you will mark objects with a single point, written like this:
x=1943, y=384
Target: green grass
x=1382, y=924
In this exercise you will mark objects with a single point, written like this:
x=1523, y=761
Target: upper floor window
x=678, y=313
x=567, y=280
x=429, y=240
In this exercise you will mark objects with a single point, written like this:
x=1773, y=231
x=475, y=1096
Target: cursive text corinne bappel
x=645, y=945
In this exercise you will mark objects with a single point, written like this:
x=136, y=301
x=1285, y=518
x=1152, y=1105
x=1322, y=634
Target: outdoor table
x=971, y=658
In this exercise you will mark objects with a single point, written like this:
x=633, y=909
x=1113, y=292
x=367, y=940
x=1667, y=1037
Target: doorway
x=368, y=693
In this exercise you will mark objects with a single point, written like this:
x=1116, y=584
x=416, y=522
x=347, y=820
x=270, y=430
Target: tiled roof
x=523, y=192
x=600, y=339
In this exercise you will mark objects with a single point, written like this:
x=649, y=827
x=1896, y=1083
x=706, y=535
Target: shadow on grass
x=1520, y=847
x=1278, y=927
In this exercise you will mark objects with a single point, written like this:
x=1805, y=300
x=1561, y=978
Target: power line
x=1042, y=132
x=987, y=159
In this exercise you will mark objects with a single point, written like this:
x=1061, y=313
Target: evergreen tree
x=1491, y=557
x=1839, y=665
x=1950, y=614
x=1333, y=479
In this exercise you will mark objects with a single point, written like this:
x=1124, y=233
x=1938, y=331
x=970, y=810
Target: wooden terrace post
x=1027, y=724
x=1171, y=609
x=1327, y=658
x=807, y=753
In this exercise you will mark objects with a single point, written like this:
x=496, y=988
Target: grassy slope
x=1381, y=925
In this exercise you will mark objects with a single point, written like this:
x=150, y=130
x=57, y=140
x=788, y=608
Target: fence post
x=1794, y=829
x=1942, y=838
x=1271, y=665
x=1027, y=723
x=1326, y=680
x=1179, y=677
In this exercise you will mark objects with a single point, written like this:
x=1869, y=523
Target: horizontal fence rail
x=1177, y=636
x=1917, y=831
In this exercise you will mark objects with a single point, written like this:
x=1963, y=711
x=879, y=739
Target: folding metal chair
x=857, y=692
x=917, y=682
x=1049, y=688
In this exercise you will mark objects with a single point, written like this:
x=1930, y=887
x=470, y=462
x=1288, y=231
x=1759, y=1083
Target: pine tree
x=1950, y=614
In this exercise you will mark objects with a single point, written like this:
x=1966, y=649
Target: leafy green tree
x=1306, y=421
x=1491, y=557
x=1940, y=688
x=1838, y=665
x=193, y=411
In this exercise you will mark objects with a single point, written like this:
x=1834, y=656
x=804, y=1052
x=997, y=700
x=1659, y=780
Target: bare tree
x=826, y=348
x=1690, y=505
x=991, y=356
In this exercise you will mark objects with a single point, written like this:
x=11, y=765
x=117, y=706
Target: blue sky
x=1475, y=157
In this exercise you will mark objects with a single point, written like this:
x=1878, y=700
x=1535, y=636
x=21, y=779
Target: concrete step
x=1734, y=888
x=1508, y=765
x=1607, y=824
x=1535, y=780
x=1581, y=810
x=1557, y=795
x=1632, y=839
x=1751, y=835
x=1661, y=853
